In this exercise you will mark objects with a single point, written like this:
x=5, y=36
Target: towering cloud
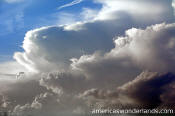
x=53, y=46
x=107, y=73
x=150, y=49
x=101, y=62
x=140, y=49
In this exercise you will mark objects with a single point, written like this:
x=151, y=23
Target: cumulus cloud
x=50, y=48
x=60, y=82
x=154, y=45
x=145, y=91
x=95, y=62
x=152, y=83
x=41, y=103
x=140, y=49
x=111, y=67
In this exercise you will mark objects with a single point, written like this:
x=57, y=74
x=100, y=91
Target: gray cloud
x=145, y=91
x=64, y=82
x=107, y=72
x=138, y=50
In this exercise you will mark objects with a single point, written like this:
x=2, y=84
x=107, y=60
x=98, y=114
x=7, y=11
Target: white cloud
x=64, y=18
x=149, y=46
x=50, y=48
x=61, y=43
x=12, y=19
x=138, y=9
x=150, y=49
x=173, y=5
x=89, y=14
x=9, y=70
x=70, y=4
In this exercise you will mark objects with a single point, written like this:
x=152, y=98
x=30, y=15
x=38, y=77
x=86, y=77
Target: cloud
x=18, y=75
x=9, y=70
x=158, y=45
x=132, y=95
x=44, y=101
x=70, y=4
x=64, y=18
x=50, y=48
x=89, y=14
x=60, y=82
x=173, y=5
x=3, y=74
x=154, y=84
x=12, y=19
x=5, y=58
x=138, y=9
x=111, y=67
x=65, y=42
x=48, y=104
x=37, y=100
x=137, y=50
x=13, y=1
x=66, y=91
x=97, y=62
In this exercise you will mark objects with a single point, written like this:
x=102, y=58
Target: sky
x=67, y=57
x=19, y=16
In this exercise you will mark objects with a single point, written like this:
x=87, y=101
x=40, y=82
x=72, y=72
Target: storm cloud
x=122, y=58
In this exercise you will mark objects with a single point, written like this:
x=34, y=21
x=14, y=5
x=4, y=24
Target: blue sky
x=18, y=17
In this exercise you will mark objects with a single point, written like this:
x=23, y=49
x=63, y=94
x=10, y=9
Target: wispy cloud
x=14, y=76
x=4, y=74
x=173, y=5
x=70, y=4
x=13, y=1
